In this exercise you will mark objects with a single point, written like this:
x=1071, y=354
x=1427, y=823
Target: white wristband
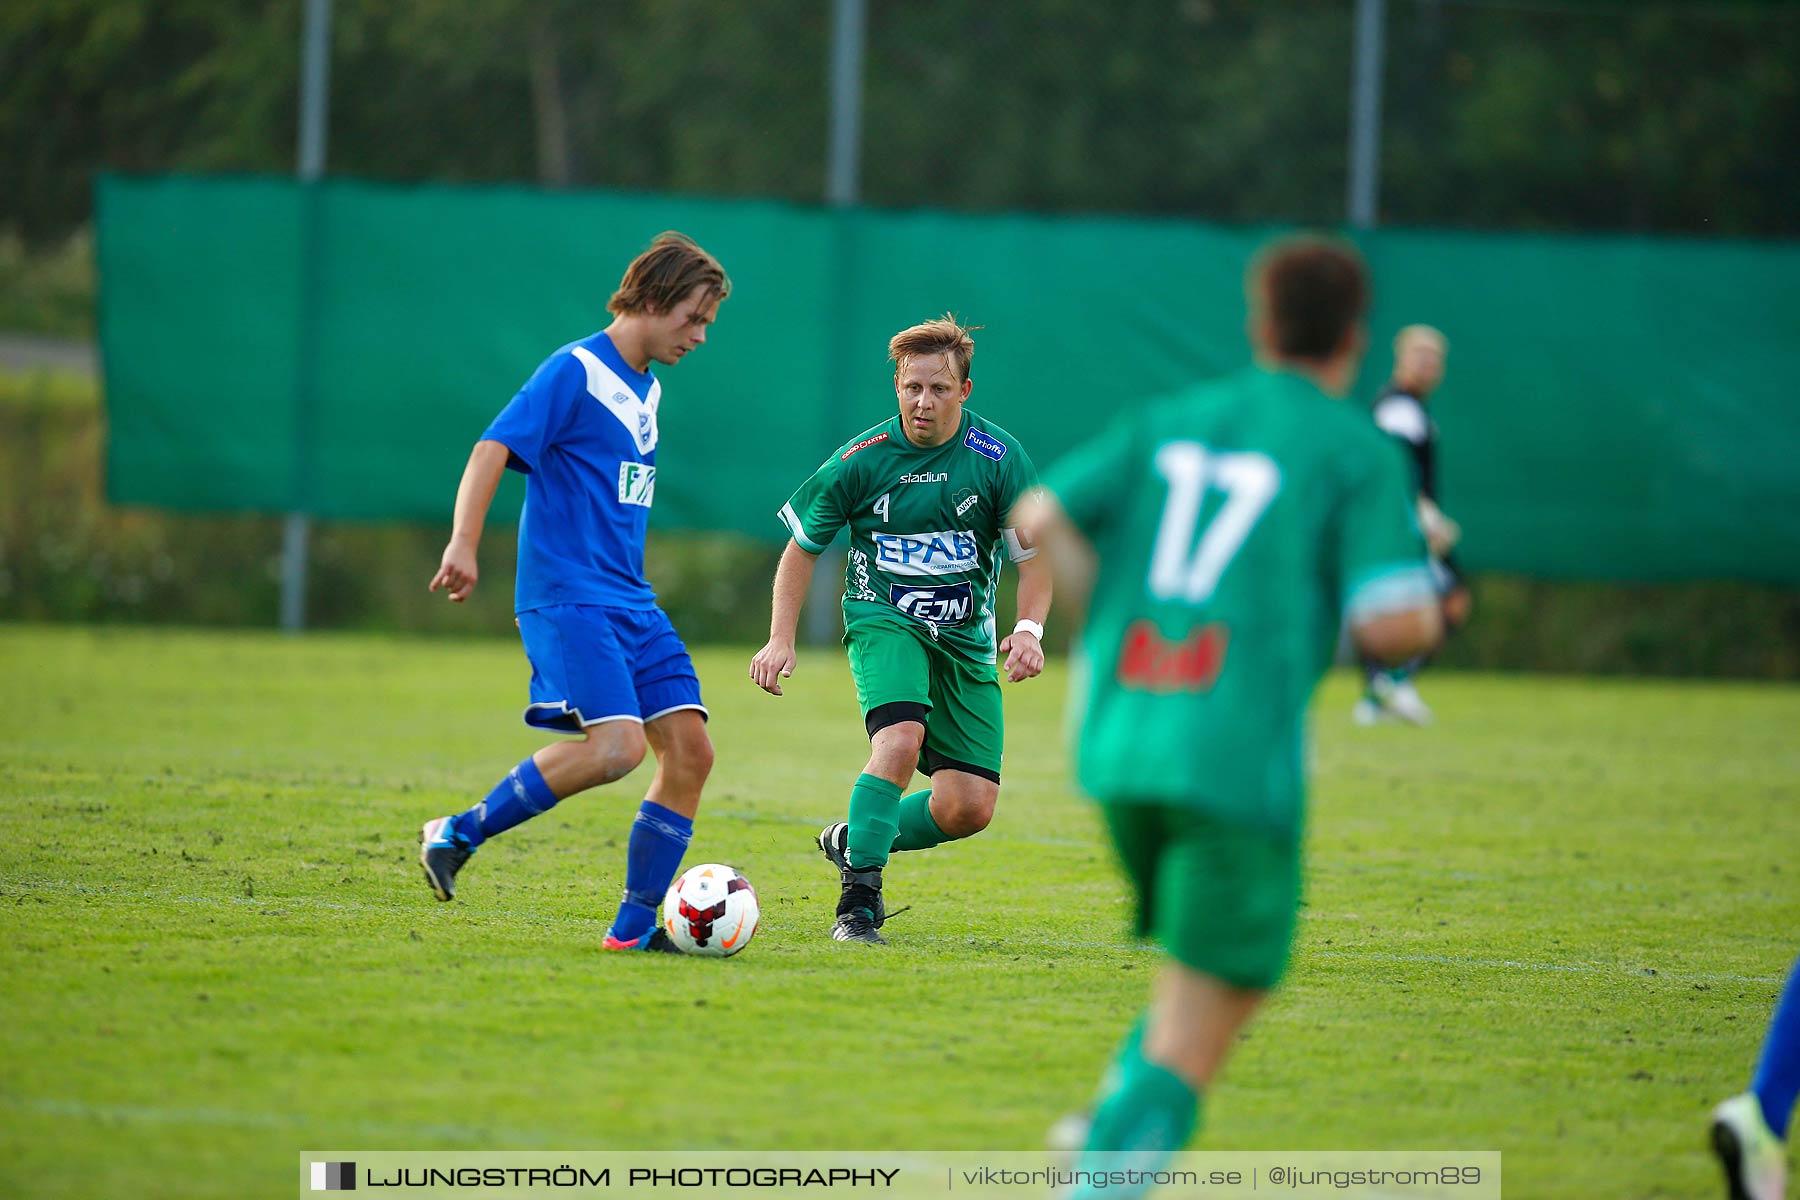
x=1027, y=625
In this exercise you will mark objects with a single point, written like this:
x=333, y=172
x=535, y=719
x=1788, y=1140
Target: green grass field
x=1552, y=926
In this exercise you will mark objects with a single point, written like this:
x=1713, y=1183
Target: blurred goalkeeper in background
x=1419, y=353
x=1227, y=532
x=606, y=664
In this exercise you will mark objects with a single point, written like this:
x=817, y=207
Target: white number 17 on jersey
x=1180, y=569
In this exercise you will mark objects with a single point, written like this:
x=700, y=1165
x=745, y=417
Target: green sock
x=874, y=804
x=1130, y=1050
x=918, y=831
x=1150, y=1113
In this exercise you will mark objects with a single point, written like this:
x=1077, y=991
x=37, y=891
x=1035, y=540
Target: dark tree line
x=1669, y=118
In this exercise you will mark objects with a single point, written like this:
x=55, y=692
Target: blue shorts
x=591, y=664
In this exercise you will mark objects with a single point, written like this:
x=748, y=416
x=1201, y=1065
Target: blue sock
x=522, y=795
x=659, y=837
x=1777, y=1079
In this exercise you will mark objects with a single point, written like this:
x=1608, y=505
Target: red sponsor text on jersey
x=1150, y=662
x=863, y=445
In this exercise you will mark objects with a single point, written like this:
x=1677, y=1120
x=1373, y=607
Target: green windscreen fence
x=1616, y=408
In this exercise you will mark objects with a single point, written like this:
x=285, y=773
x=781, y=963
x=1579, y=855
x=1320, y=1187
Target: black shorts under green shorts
x=1220, y=897
x=895, y=660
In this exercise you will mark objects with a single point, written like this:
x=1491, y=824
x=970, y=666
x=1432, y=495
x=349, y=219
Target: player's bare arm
x=777, y=659
x=1023, y=648
x=457, y=572
x=1441, y=533
x=1061, y=548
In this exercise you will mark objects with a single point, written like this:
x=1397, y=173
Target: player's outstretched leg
x=664, y=824
x=659, y=839
x=1152, y=1095
x=1145, y=1111
x=872, y=827
x=868, y=837
x=446, y=843
x=1748, y=1130
x=608, y=751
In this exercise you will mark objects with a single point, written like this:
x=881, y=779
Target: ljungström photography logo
x=334, y=1177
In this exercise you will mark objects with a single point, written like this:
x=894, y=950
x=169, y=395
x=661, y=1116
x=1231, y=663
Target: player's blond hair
x=1420, y=333
x=662, y=276
x=943, y=336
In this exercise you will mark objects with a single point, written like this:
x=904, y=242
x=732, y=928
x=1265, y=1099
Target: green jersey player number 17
x=927, y=497
x=1228, y=531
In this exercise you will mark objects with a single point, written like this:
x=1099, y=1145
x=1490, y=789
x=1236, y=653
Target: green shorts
x=896, y=661
x=1220, y=897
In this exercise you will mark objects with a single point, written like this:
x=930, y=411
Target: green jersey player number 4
x=927, y=527
x=927, y=497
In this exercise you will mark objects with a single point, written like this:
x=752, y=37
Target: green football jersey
x=926, y=525
x=1236, y=524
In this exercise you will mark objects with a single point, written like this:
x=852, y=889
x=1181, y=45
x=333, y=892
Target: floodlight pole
x=315, y=89
x=1362, y=197
x=843, y=169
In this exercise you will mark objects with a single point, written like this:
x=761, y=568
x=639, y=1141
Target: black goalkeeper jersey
x=1402, y=415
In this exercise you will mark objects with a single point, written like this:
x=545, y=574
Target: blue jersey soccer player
x=606, y=663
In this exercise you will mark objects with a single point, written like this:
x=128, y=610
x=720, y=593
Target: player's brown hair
x=662, y=276
x=1313, y=290
x=942, y=336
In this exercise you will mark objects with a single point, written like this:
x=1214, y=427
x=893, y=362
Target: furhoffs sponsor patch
x=982, y=444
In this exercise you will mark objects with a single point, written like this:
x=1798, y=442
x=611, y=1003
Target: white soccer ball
x=711, y=910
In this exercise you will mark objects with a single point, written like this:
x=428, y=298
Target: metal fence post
x=315, y=89
x=1363, y=191
x=842, y=175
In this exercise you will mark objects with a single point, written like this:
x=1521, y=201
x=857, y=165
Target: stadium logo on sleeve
x=984, y=445
x=949, y=604
x=863, y=445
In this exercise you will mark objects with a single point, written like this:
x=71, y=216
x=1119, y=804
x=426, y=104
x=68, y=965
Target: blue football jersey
x=583, y=431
